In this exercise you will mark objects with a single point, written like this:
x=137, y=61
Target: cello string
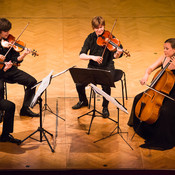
x=162, y=71
x=160, y=74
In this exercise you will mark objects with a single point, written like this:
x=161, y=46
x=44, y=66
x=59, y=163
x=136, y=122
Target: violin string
x=109, y=37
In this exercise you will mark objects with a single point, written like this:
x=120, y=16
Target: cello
x=148, y=107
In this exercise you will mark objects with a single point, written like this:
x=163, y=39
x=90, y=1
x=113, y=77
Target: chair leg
x=5, y=90
x=123, y=93
x=1, y=116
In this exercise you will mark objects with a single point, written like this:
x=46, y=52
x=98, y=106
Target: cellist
x=161, y=134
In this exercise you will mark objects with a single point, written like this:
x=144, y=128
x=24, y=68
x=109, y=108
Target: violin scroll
x=34, y=53
x=126, y=53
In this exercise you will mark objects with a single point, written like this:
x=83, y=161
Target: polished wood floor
x=74, y=148
x=57, y=29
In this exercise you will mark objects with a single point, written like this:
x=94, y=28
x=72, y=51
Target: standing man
x=96, y=61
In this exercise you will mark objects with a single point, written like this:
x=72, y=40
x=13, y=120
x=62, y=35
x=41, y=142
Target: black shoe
x=105, y=112
x=10, y=138
x=80, y=104
x=27, y=112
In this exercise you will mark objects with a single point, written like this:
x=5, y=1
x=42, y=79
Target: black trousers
x=15, y=75
x=8, y=121
x=81, y=88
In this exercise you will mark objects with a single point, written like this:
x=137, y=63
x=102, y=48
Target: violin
x=106, y=39
x=148, y=107
x=18, y=45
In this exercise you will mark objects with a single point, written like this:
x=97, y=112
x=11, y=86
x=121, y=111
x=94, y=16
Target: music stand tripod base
x=40, y=129
x=119, y=131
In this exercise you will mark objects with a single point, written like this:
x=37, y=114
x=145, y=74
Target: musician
x=96, y=61
x=13, y=74
x=161, y=134
x=8, y=121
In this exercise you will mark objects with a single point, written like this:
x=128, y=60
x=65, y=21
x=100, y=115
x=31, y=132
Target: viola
x=148, y=107
x=18, y=45
x=106, y=39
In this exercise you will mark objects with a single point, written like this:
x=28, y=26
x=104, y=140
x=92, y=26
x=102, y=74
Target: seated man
x=13, y=74
x=8, y=108
x=8, y=121
x=93, y=52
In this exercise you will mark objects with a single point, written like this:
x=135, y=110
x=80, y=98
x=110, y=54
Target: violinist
x=12, y=74
x=8, y=121
x=160, y=134
x=92, y=52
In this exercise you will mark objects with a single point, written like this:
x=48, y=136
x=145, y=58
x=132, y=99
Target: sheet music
x=108, y=97
x=53, y=76
x=62, y=72
x=44, y=84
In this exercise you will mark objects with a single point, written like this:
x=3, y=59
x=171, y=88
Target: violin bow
x=109, y=37
x=16, y=39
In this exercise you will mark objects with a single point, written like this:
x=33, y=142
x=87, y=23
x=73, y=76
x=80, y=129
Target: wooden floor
x=74, y=148
x=57, y=30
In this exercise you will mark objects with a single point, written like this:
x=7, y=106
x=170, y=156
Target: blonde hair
x=96, y=21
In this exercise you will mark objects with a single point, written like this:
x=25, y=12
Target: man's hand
x=2, y=57
x=27, y=51
x=8, y=65
x=98, y=59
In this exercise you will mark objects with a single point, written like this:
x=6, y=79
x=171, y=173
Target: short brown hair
x=5, y=25
x=96, y=21
x=171, y=41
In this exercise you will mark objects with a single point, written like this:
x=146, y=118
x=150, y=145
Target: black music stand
x=119, y=107
x=96, y=76
x=37, y=99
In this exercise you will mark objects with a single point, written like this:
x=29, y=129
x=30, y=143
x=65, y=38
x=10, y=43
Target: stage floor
x=57, y=30
x=74, y=148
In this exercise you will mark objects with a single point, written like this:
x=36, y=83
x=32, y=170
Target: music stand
x=119, y=107
x=96, y=76
x=37, y=99
x=46, y=106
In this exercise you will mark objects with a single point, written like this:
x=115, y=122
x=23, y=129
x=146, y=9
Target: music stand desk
x=86, y=76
